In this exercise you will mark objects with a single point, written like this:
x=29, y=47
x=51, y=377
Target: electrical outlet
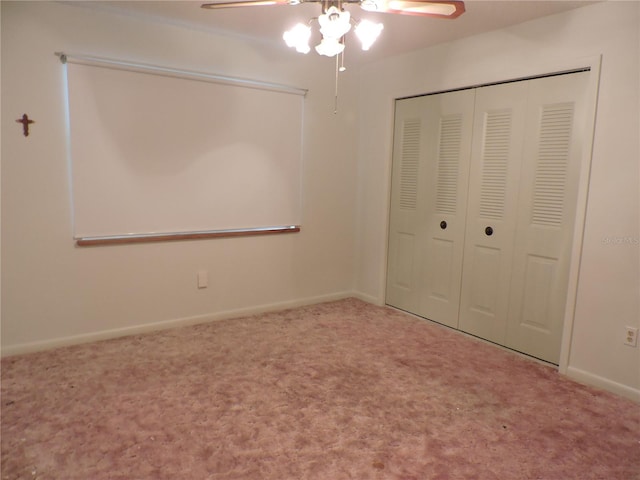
x=631, y=336
x=203, y=279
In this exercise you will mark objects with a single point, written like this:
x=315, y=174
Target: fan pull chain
x=339, y=68
x=335, y=105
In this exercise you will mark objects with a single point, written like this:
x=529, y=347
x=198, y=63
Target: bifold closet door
x=551, y=161
x=524, y=168
x=498, y=135
x=484, y=189
x=432, y=142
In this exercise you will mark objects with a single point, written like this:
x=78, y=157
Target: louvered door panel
x=403, y=264
x=432, y=141
x=492, y=209
x=446, y=166
x=548, y=186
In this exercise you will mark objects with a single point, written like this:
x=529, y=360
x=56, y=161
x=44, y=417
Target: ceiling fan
x=425, y=8
x=335, y=22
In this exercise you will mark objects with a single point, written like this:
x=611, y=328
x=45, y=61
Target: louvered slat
x=556, y=123
x=409, y=164
x=448, y=164
x=495, y=163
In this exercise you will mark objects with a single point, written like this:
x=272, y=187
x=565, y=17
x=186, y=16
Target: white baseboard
x=604, y=383
x=31, y=347
x=367, y=298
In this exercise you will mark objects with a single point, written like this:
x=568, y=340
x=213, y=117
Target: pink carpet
x=341, y=390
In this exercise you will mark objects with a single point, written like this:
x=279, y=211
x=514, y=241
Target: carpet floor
x=340, y=390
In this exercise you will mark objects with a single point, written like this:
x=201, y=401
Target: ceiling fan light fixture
x=330, y=47
x=298, y=37
x=334, y=23
x=368, y=32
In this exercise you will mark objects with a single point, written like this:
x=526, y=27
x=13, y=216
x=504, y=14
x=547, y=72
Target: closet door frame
x=591, y=64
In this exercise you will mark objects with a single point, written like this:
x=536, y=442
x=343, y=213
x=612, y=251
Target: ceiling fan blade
x=248, y=3
x=425, y=8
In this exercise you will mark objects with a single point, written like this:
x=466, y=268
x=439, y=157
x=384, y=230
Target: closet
x=483, y=199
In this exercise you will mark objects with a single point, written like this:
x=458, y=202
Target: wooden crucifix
x=25, y=121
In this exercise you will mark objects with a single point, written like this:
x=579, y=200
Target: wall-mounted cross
x=25, y=121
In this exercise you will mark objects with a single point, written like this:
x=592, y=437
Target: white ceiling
x=401, y=33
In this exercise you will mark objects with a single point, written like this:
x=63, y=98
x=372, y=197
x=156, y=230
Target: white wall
x=55, y=293
x=608, y=295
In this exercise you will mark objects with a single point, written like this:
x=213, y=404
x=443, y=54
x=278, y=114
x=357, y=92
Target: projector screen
x=156, y=150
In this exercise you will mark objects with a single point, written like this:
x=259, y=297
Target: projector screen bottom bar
x=170, y=237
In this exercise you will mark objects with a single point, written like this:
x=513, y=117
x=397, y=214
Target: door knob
x=488, y=231
x=443, y=224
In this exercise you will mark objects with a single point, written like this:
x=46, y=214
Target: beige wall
x=55, y=293
x=608, y=293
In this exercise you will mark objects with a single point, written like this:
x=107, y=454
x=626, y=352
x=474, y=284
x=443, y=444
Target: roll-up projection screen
x=156, y=150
